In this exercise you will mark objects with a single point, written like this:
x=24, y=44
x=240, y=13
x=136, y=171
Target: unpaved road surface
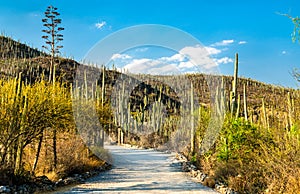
x=141, y=171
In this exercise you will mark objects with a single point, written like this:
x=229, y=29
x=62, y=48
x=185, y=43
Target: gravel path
x=141, y=171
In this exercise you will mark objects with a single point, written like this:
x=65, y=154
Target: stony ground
x=140, y=171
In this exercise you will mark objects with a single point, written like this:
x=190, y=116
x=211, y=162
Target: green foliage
x=296, y=32
x=194, y=158
x=237, y=139
x=203, y=121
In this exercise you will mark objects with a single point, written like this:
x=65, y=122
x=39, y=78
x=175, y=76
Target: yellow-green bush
x=26, y=111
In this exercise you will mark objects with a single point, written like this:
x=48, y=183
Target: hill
x=11, y=49
x=16, y=57
x=262, y=99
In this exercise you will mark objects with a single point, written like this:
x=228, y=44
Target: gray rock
x=185, y=167
x=201, y=177
x=59, y=183
x=69, y=180
x=4, y=189
x=193, y=167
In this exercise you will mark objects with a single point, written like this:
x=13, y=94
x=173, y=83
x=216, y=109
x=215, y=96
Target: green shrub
x=238, y=139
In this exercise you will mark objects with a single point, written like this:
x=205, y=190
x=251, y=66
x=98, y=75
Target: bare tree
x=53, y=36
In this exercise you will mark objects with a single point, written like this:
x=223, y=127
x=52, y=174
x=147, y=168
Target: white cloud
x=120, y=56
x=166, y=69
x=100, y=25
x=223, y=43
x=212, y=50
x=243, y=42
x=201, y=56
x=187, y=64
x=284, y=52
x=189, y=59
x=150, y=66
x=177, y=57
x=223, y=60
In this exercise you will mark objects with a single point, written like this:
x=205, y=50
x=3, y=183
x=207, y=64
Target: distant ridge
x=10, y=48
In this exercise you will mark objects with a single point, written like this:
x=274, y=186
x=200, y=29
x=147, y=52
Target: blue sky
x=254, y=29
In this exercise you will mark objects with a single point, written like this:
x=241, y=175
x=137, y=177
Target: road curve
x=141, y=171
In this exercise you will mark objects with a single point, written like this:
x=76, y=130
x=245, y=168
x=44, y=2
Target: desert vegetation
x=255, y=152
x=37, y=128
x=30, y=111
x=256, y=149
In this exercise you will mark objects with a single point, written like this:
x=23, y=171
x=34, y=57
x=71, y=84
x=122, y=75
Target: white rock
x=4, y=189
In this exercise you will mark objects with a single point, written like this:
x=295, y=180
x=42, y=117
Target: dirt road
x=141, y=171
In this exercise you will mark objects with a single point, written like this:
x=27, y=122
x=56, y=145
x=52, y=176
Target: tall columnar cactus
x=290, y=117
x=192, y=119
x=103, y=86
x=266, y=121
x=245, y=104
x=234, y=85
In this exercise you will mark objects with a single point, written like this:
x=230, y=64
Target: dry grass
x=73, y=157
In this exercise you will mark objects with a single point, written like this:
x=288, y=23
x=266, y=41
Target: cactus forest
x=256, y=150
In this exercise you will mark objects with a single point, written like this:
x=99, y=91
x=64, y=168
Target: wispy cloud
x=223, y=43
x=200, y=56
x=100, y=25
x=189, y=59
x=151, y=66
x=120, y=56
x=243, y=42
x=223, y=60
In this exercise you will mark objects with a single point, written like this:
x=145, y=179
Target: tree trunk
x=54, y=150
x=19, y=154
x=37, y=153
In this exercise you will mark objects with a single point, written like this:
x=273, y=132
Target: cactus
x=245, y=104
x=234, y=85
x=265, y=121
x=192, y=119
x=103, y=86
x=290, y=117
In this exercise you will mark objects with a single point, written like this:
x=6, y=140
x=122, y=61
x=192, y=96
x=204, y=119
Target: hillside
x=16, y=57
x=11, y=49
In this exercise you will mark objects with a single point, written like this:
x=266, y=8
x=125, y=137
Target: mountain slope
x=10, y=48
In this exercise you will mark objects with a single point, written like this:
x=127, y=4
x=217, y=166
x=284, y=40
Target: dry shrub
x=73, y=157
x=282, y=163
x=250, y=179
x=225, y=170
x=293, y=184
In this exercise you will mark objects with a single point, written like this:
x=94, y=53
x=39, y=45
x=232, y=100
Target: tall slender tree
x=52, y=39
x=53, y=36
